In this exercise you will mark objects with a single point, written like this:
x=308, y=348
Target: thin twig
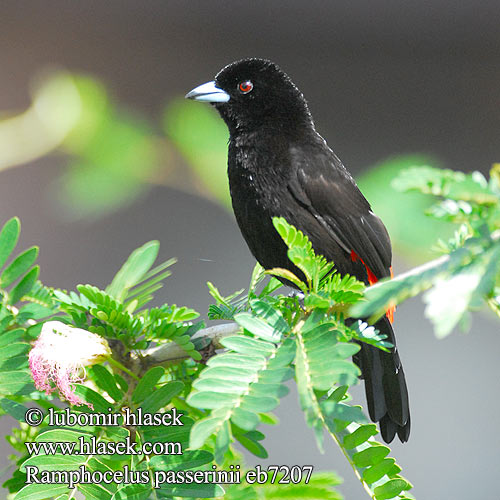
x=173, y=352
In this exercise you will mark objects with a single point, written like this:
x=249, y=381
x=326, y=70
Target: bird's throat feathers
x=291, y=121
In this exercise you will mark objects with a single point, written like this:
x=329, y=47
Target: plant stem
x=173, y=352
x=123, y=368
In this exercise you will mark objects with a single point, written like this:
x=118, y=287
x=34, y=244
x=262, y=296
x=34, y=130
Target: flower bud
x=59, y=357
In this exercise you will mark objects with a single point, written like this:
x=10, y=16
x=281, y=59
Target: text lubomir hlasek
x=126, y=418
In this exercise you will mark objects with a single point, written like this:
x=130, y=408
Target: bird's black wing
x=320, y=183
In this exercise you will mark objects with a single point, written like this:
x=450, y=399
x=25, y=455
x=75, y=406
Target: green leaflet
x=17, y=382
x=99, y=403
x=161, y=397
x=134, y=269
x=13, y=408
x=257, y=326
x=24, y=286
x=8, y=239
x=107, y=382
x=360, y=435
x=391, y=488
x=254, y=447
x=147, y=383
x=18, y=266
x=40, y=491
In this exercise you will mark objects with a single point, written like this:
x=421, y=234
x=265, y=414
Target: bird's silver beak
x=208, y=92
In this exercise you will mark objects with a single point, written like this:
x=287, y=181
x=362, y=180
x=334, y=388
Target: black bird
x=279, y=166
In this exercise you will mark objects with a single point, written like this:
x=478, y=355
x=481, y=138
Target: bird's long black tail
x=385, y=386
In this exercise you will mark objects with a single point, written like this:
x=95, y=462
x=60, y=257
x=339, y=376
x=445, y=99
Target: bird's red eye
x=245, y=87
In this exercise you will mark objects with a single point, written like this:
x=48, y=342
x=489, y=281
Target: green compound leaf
x=240, y=385
x=300, y=252
x=328, y=360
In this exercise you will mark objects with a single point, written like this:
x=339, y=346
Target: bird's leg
x=297, y=294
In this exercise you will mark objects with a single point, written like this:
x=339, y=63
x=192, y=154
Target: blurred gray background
x=382, y=78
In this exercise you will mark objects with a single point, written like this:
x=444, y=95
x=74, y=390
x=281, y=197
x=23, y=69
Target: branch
x=391, y=291
x=433, y=265
x=173, y=352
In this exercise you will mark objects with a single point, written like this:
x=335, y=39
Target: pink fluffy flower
x=59, y=357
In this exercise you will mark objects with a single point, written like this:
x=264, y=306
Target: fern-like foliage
x=41, y=295
x=468, y=276
x=19, y=276
x=320, y=486
x=226, y=307
x=222, y=402
x=242, y=383
x=18, y=279
x=118, y=312
x=323, y=364
x=300, y=252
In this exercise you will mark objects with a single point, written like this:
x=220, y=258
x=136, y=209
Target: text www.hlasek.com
x=92, y=446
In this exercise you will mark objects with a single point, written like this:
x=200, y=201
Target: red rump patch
x=372, y=279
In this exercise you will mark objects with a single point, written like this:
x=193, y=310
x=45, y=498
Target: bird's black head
x=254, y=93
